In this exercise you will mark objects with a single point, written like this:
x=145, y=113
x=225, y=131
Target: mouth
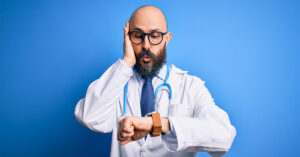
x=146, y=59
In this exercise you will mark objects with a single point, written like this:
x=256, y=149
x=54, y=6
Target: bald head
x=150, y=51
x=148, y=18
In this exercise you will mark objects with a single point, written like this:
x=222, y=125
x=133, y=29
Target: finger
x=119, y=134
x=120, y=122
x=125, y=141
x=125, y=32
x=127, y=25
x=127, y=125
x=121, y=137
x=127, y=128
x=126, y=135
x=126, y=28
x=120, y=128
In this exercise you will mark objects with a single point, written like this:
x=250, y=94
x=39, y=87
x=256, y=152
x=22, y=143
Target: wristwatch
x=156, y=128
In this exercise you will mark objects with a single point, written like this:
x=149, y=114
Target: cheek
x=137, y=48
x=156, y=49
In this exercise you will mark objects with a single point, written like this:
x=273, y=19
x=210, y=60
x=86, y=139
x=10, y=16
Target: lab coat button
x=143, y=149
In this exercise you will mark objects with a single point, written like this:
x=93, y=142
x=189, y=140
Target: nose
x=146, y=43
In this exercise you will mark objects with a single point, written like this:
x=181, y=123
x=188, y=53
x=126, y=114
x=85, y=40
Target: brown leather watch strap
x=156, y=129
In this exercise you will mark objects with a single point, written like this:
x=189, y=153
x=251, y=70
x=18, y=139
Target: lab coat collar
x=161, y=74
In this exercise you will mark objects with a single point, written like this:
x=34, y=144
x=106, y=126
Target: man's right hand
x=129, y=56
x=133, y=128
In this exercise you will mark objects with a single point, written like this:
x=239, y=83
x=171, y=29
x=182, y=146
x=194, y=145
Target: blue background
x=50, y=51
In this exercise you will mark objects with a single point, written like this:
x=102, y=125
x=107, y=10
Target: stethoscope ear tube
x=125, y=98
x=164, y=84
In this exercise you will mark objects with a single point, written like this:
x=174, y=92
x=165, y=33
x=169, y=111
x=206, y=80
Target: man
x=189, y=122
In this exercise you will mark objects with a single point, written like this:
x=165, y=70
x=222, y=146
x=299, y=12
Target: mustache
x=146, y=52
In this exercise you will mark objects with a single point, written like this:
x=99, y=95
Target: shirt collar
x=161, y=74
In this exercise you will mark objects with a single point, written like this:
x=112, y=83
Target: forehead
x=146, y=27
x=148, y=20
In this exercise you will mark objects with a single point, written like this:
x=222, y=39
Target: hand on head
x=129, y=56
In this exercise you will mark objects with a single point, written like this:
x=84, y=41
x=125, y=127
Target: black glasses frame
x=148, y=34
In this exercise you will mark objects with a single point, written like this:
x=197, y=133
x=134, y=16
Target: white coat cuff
x=122, y=66
x=170, y=139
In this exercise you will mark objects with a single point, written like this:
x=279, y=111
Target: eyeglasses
x=155, y=38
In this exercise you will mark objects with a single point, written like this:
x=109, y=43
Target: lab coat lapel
x=175, y=80
x=171, y=80
x=131, y=96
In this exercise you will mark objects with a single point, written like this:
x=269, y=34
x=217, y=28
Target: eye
x=138, y=35
x=155, y=35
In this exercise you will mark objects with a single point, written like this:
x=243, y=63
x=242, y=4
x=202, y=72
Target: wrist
x=128, y=62
x=143, y=123
x=150, y=123
x=165, y=125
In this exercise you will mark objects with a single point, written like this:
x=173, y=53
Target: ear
x=168, y=37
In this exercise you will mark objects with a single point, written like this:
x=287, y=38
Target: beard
x=144, y=68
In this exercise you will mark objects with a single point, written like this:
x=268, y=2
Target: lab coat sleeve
x=208, y=130
x=97, y=110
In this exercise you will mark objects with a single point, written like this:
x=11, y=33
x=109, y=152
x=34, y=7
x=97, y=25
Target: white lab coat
x=197, y=123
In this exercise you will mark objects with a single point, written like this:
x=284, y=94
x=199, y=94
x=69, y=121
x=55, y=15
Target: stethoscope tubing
x=156, y=90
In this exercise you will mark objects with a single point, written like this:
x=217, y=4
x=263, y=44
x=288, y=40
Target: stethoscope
x=155, y=93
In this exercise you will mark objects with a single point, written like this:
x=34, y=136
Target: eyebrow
x=138, y=29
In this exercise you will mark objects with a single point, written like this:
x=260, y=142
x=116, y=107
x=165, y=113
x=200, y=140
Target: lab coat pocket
x=181, y=110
